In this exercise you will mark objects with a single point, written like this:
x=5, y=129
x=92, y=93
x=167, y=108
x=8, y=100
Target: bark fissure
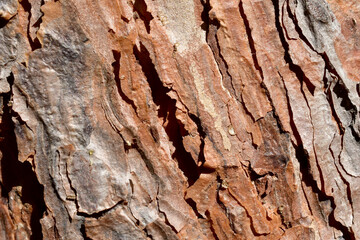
x=4, y=22
x=167, y=109
x=116, y=70
x=252, y=227
x=141, y=8
x=83, y=232
x=101, y=213
x=348, y=188
x=166, y=217
x=292, y=66
x=291, y=116
x=202, y=155
x=207, y=213
x=211, y=26
x=202, y=134
x=250, y=39
x=14, y=173
x=221, y=204
x=34, y=44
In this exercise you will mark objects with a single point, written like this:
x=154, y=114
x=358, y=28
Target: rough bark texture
x=182, y=119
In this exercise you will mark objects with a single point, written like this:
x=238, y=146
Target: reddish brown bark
x=201, y=119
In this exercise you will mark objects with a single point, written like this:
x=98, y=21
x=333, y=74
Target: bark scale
x=192, y=119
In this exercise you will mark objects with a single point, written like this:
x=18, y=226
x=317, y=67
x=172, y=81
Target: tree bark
x=191, y=119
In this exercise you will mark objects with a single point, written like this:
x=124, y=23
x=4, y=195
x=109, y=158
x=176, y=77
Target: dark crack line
x=248, y=215
x=15, y=173
x=222, y=59
x=207, y=213
x=116, y=70
x=211, y=26
x=140, y=8
x=166, y=218
x=257, y=65
x=202, y=134
x=34, y=44
x=83, y=232
x=275, y=115
x=167, y=110
x=71, y=186
x=348, y=188
x=292, y=66
x=222, y=205
x=291, y=116
x=4, y=22
x=101, y=213
x=328, y=66
x=329, y=97
x=250, y=39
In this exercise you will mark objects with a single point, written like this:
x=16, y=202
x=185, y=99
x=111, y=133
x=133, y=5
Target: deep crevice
x=211, y=26
x=275, y=115
x=14, y=173
x=308, y=179
x=333, y=112
x=164, y=215
x=253, y=230
x=207, y=213
x=340, y=90
x=101, y=213
x=4, y=22
x=167, y=108
x=141, y=8
x=192, y=204
x=292, y=66
x=348, y=187
x=291, y=115
x=147, y=234
x=250, y=39
x=220, y=183
x=116, y=70
x=83, y=232
x=34, y=44
x=205, y=16
x=202, y=135
x=301, y=154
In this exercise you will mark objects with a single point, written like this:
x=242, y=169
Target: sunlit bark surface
x=179, y=119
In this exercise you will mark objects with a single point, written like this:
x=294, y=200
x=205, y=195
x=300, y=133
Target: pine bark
x=191, y=119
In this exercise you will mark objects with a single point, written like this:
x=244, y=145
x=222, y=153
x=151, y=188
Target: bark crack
x=140, y=8
x=101, y=213
x=15, y=173
x=167, y=111
x=83, y=232
x=220, y=184
x=4, y=22
x=211, y=26
x=292, y=66
x=116, y=71
x=34, y=44
x=207, y=213
x=250, y=39
x=253, y=230
x=341, y=91
x=348, y=188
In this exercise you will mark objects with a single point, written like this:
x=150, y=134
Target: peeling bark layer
x=201, y=119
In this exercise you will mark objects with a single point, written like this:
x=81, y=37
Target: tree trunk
x=183, y=119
